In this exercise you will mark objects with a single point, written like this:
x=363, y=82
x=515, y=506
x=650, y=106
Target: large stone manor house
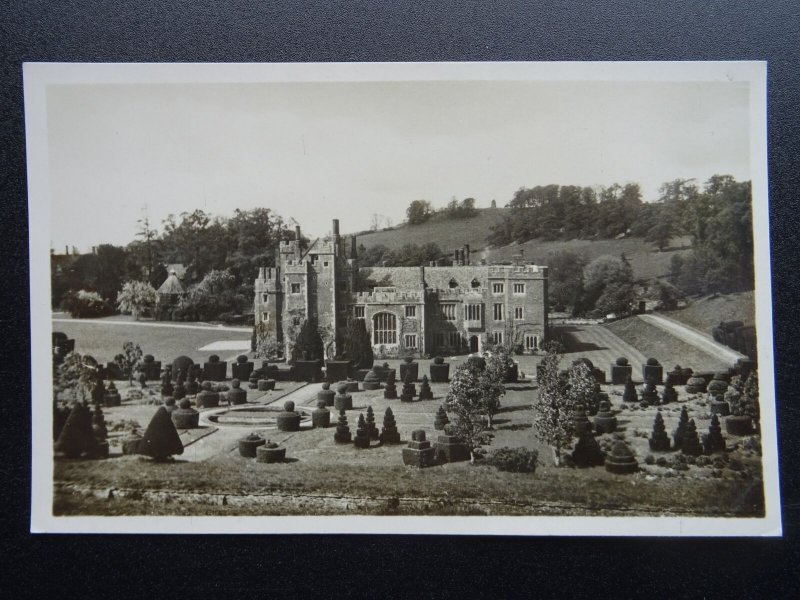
x=447, y=307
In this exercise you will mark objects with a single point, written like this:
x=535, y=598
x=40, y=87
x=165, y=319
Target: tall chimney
x=336, y=228
x=66, y=250
x=353, y=248
x=297, y=232
x=466, y=254
x=455, y=257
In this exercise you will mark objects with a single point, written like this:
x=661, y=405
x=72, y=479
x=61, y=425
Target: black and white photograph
x=511, y=298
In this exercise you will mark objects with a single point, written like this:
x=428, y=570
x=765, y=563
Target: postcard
x=438, y=298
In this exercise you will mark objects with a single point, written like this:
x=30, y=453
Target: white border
x=37, y=76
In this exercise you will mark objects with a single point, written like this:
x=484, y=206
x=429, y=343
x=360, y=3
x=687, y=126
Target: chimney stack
x=66, y=250
x=455, y=257
x=336, y=228
x=353, y=247
x=466, y=254
x=297, y=232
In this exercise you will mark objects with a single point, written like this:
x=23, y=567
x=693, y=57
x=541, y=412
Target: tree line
x=221, y=256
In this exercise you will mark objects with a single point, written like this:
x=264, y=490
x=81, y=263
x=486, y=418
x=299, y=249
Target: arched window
x=475, y=283
x=384, y=329
x=453, y=284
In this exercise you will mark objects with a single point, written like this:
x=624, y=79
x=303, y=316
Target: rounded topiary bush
x=408, y=359
x=148, y=358
x=622, y=361
x=288, y=406
x=214, y=358
x=653, y=362
x=241, y=359
x=438, y=360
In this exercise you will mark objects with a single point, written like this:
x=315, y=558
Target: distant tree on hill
x=460, y=210
x=418, y=212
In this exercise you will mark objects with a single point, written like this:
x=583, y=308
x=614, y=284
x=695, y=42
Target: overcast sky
x=315, y=151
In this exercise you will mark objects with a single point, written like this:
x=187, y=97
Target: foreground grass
x=549, y=491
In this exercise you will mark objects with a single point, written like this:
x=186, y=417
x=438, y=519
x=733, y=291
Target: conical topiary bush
x=77, y=436
x=441, y=419
x=372, y=429
x=362, y=433
x=161, y=439
x=629, y=396
x=425, y=392
x=389, y=434
x=659, y=440
x=390, y=390
x=677, y=436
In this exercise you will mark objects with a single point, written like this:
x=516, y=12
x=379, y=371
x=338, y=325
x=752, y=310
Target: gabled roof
x=171, y=285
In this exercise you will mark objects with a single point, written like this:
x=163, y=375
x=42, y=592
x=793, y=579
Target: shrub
x=652, y=362
x=622, y=361
x=136, y=297
x=514, y=460
x=85, y=305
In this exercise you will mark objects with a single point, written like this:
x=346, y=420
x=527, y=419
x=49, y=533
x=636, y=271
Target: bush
x=85, y=305
x=514, y=460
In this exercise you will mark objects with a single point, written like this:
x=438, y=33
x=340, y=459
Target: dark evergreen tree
x=358, y=345
x=308, y=344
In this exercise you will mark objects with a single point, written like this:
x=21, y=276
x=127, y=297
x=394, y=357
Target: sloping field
x=448, y=234
x=654, y=342
x=705, y=313
x=647, y=262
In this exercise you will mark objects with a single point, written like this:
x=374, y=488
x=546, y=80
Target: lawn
x=706, y=313
x=103, y=338
x=669, y=350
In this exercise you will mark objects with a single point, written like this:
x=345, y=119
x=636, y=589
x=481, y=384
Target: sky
x=318, y=151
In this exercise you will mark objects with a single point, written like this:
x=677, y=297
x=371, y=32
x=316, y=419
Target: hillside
x=449, y=234
x=647, y=262
x=707, y=312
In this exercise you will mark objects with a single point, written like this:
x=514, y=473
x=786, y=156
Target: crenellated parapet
x=389, y=295
x=518, y=271
x=457, y=292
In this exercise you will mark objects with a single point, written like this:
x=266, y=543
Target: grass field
x=707, y=312
x=103, y=338
x=669, y=350
x=646, y=261
x=449, y=234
